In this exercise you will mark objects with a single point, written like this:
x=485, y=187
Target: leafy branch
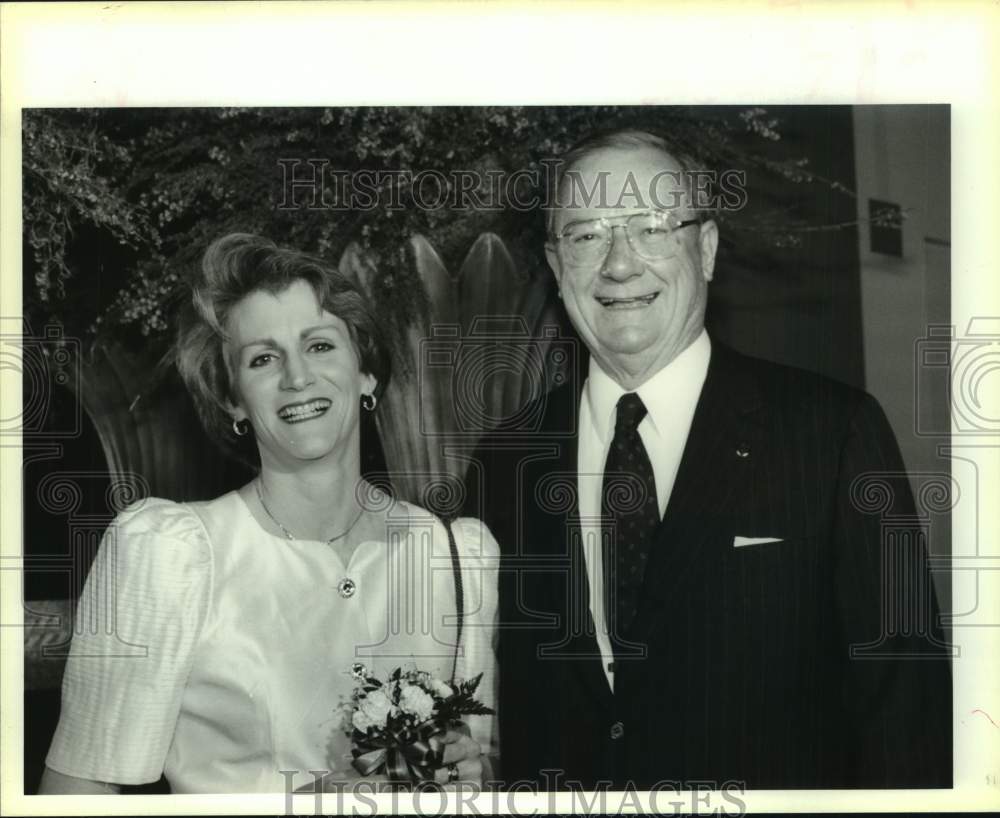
x=119, y=204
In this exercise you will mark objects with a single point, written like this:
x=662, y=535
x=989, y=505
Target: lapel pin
x=743, y=450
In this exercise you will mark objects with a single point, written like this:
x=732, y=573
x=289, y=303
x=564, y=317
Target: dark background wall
x=798, y=305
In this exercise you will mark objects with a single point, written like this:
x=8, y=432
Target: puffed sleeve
x=480, y=556
x=136, y=629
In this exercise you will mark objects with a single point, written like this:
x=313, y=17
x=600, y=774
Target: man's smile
x=298, y=412
x=626, y=303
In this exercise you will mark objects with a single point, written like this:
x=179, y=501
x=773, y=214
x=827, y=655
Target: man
x=692, y=587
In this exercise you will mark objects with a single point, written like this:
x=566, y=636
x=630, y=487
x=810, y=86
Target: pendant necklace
x=288, y=534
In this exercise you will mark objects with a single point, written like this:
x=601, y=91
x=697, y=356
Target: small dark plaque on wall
x=886, y=221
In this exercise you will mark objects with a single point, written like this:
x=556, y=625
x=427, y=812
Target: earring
x=241, y=427
x=369, y=402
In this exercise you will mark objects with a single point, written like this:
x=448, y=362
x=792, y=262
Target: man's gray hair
x=627, y=139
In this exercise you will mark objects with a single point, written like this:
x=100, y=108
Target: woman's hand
x=463, y=755
x=460, y=753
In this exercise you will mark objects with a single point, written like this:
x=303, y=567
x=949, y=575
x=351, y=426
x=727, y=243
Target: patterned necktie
x=630, y=512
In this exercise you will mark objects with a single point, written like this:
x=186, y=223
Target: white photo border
x=396, y=53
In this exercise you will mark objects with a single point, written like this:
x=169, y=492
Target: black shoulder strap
x=456, y=568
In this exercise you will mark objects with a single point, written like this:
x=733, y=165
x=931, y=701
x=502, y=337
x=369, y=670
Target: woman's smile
x=299, y=412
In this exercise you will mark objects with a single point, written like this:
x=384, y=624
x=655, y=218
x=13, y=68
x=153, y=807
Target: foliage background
x=120, y=203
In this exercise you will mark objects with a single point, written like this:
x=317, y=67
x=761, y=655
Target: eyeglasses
x=589, y=242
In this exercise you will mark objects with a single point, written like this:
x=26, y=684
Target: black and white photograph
x=364, y=463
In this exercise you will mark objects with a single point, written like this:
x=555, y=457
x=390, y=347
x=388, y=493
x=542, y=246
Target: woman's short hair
x=232, y=268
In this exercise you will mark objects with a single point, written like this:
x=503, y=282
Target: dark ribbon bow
x=414, y=761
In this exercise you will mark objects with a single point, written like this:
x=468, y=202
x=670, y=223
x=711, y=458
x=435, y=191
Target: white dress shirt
x=670, y=397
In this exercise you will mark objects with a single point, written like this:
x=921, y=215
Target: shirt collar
x=669, y=391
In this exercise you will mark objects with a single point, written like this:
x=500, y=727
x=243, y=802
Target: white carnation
x=416, y=701
x=376, y=706
x=361, y=721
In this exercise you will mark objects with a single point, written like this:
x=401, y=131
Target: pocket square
x=739, y=542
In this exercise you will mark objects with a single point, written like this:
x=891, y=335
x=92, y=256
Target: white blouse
x=218, y=654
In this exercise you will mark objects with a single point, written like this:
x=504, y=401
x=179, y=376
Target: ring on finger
x=452, y=773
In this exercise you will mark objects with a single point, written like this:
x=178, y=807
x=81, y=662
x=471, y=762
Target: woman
x=239, y=619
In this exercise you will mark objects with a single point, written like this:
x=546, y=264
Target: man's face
x=635, y=314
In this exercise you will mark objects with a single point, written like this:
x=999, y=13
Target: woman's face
x=295, y=376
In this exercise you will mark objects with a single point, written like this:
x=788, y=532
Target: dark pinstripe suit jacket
x=745, y=670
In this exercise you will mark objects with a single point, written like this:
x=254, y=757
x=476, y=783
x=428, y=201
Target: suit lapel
x=577, y=647
x=714, y=470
